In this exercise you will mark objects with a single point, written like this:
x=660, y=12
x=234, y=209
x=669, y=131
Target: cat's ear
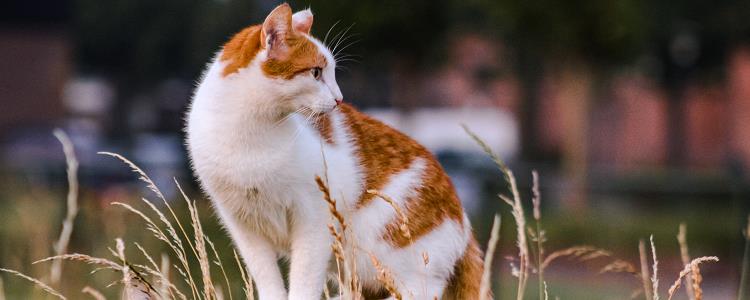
x=302, y=21
x=276, y=28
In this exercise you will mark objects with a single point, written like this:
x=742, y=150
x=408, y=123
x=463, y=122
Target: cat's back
x=384, y=154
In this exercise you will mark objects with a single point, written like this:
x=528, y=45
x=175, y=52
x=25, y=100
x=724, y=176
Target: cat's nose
x=339, y=100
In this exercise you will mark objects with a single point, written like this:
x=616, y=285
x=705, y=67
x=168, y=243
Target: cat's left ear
x=276, y=28
x=302, y=21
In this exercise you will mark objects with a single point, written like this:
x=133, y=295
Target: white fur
x=259, y=169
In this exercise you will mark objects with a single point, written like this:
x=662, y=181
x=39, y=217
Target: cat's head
x=295, y=71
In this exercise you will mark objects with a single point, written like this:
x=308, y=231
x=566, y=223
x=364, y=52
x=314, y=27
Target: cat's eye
x=316, y=72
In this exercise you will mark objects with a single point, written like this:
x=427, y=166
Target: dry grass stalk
x=338, y=253
x=583, y=253
x=487, y=150
x=170, y=236
x=343, y=251
x=161, y=273
x=61, y=246
x=135, y=286
x=35, y=281
x=323, y=187
x=587, y=253
x=209, y=292
x=539, y=236
x=246, y=280
x=93, y=293
x=517, y=212
x=645, y=271
x=103, y=262
x=176, y=249
x=655, y=268
x=620, y=266
x=402, y=216
x=486, y=285
x=685, y=256
x=173, y=241
x=523, y=246
x=536, y=199
x=164, y=288
x=689, y=267
x=385, y=277
x=221, y=267
x=147, y=256
x=133, y=167
x=347, y=279
x=697, y=280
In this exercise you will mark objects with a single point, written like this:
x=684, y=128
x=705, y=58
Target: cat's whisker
x=325, y=39
x=334, y=38
x=345, y=60
x=287, y=117
x=348, y=58
x=342, y=38
x=338, y=36
x=349, y=44
x=309, y=116
x=345, y=55
x=316, y=120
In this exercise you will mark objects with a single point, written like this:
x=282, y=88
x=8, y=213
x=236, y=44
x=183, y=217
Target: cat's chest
x=279, y=166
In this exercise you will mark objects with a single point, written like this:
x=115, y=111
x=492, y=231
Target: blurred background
x=635, y=113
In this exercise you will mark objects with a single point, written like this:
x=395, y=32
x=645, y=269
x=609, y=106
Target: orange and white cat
x=265, y=116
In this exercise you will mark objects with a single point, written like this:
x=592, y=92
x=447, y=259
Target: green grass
x=31, y=215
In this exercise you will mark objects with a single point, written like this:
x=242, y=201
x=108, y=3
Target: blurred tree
x=581, y=42
x=139, y=42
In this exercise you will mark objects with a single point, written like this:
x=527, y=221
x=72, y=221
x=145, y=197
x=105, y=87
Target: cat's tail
x=467, y=276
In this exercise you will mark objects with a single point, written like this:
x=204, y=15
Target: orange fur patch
x=467, y=275
x=241, y=49
x=324, y=126
x=297, y=53
x=435, y=201
x=302, y=56
x=382, y=152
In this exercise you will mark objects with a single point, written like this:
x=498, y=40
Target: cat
x=266, y=118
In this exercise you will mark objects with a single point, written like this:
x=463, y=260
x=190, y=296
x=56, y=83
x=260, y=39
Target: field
x=135, y=243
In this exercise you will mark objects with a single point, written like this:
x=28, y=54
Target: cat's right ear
x=276, y=27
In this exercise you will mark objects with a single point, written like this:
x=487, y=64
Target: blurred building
x=36, y=59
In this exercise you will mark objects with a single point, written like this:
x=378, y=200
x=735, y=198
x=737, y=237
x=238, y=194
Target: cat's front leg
x=262, y=262
x=311, y=252
x=259, y=255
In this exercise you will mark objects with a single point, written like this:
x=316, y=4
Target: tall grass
x=650, y=286
x=61, y=246
x=149, y=280
x=192, y=267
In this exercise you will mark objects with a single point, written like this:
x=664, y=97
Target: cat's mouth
x=314, y=112
x=320, y=109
